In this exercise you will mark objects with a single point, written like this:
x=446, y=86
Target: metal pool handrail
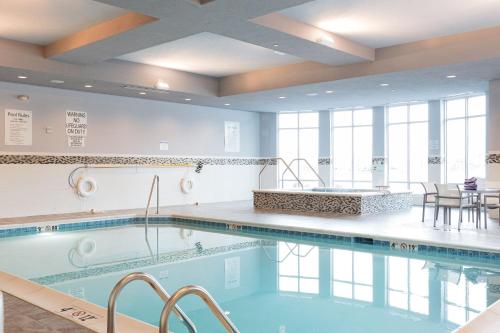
x=151, y=281
x=156, y=181
x=287, y=168
x=310, y=167
x=205, y=297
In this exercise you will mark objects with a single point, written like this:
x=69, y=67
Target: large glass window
x=352, y=275
x=298, y=137
x=352, y=148
x=408, y=285
x=464, y=138
x=407, y=145
x=298, y=268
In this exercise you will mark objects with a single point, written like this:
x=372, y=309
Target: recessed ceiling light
x=451, y=76
x=162, y=85
x=22, y=77
x=282, y=97
x=57, y=81
x=88, y=86
x=279, y=53
x=384, y=84
x=142, y=93
x=276, y=45
x=187, y=99
x=227, y=104
x=312, y=94
x=329, y=91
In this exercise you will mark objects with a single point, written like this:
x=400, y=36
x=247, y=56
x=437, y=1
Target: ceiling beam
x=313, y=34
x=442, y=51
x=96, y=33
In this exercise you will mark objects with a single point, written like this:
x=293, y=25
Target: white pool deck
x=402, y=226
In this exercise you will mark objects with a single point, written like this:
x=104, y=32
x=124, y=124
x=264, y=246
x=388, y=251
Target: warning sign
x=76, y=128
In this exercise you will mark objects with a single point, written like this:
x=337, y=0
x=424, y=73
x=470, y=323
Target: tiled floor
x=22, y=317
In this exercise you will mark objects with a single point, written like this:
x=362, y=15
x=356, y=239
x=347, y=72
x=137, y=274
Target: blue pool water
x=266, y=283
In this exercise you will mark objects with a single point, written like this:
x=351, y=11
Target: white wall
x=120, y=125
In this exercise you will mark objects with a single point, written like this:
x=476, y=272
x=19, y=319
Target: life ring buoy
x=86, y=186
x=86, y=247
x=187, y=185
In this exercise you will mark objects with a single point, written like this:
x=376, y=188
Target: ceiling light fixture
x=384, y=84
x=57, y=81
x=312, y=94
x=451, y=76
x=325, y=40
x=142, y=93
x=329, y=92
x=162, y=85
x=22, y=77
x=187, y=99
x=282, y=97
x=227, y=104
x=276, y=45
x=279, y=53
x=88, y=86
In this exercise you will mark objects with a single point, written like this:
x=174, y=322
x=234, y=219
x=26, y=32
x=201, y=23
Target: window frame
x=466, y=118
x=352, y=126
x=298, y=128
x=407, y=124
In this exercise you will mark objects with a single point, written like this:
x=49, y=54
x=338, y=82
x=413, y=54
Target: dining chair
x=429, y=196
x=448, y=198
x=490, y=205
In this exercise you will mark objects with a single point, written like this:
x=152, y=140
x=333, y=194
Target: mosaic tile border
x=126, y=160
x=324, y=161
x=378, y=160
x=493, y=158
x=434, y=160
x=245, y=230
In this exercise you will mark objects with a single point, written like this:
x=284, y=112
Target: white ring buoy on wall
x=187, y=185
x=86, y=186
x=86, y=247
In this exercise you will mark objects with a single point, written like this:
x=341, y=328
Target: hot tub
x=334, y=200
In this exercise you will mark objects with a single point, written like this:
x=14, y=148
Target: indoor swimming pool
x=265, y=282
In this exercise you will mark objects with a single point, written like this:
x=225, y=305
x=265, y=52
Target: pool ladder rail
x=170, y=303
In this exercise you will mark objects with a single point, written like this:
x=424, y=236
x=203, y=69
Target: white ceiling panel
x=210, y=54
x=389, y=22
x=45, y=21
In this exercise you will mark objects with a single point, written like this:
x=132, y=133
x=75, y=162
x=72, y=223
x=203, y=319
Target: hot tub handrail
x=151, y=281
x=206, y=298
x=310, y=167
x=287, y=168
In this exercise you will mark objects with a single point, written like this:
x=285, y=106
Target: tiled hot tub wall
x=332, y=203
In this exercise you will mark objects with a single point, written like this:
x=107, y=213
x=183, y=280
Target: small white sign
x=76, y=128
x=163, y=145
x=76, y=141
x=232, y=272
x=18, y=127
x=232, y=137
x=76, y=123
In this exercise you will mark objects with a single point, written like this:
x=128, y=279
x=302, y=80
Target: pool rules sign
x=76, y=128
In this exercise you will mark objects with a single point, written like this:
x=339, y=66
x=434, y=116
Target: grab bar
x=310, y=167
x=156, y=181
x=205, y=297
x=151, y=281
x=287, y=168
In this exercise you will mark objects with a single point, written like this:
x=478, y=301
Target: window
x=298, y=268
x=352, y=275
x=298, y=137
x=407, y=145
x=464, y=300
x=408, y=285
x=464, y=138
x=352, y=148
